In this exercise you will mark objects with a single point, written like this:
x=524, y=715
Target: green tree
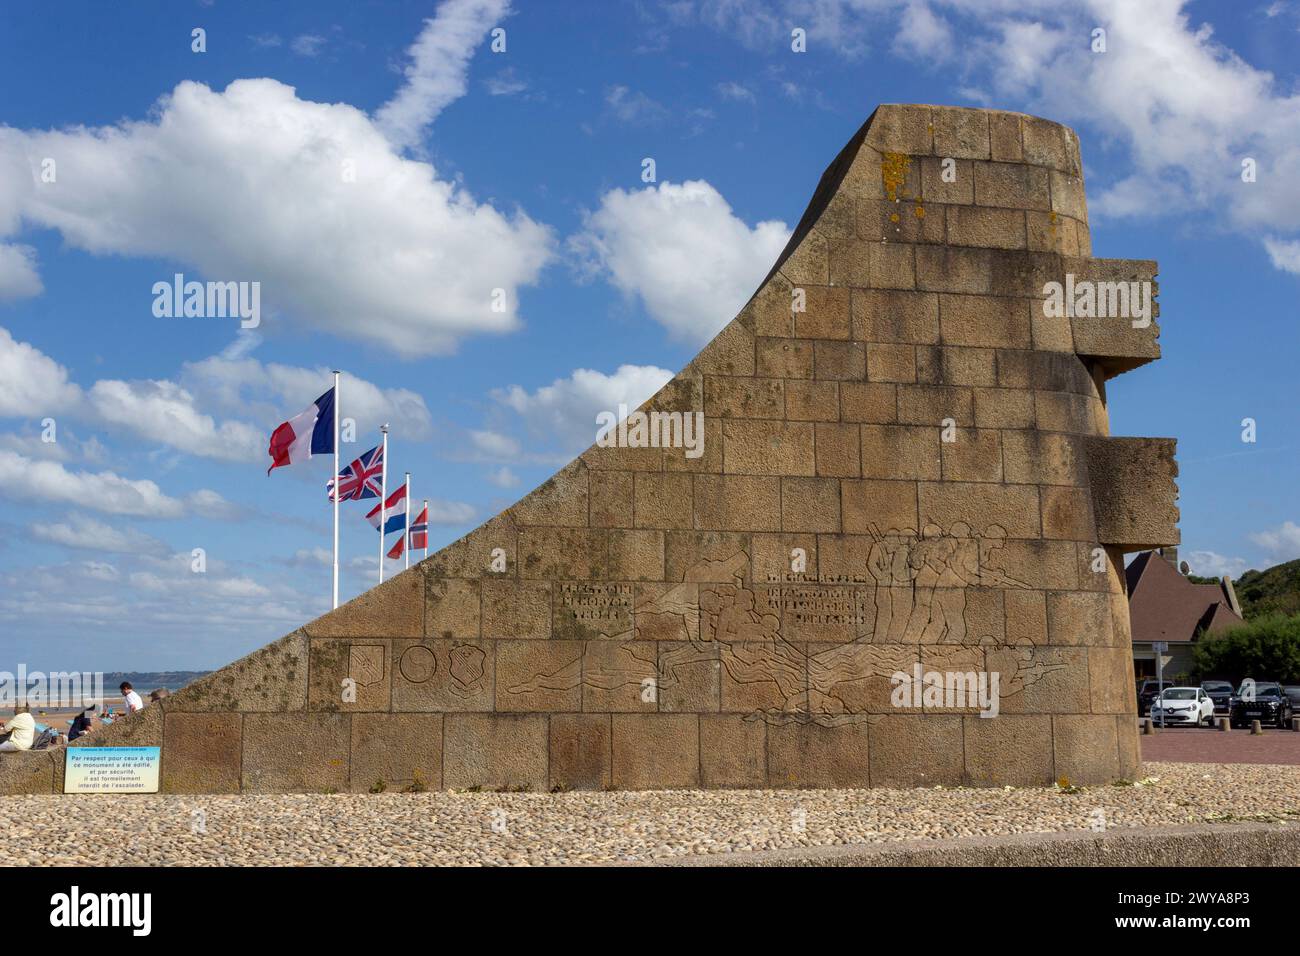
x=1267, y=648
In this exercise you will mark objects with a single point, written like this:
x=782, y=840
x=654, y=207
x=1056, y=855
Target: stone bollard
x=1255, y=727
x=1223, y=723
x=1148, y=725
x=1295, y=723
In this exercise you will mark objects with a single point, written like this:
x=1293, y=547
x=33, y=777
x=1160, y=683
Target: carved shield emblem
x=366, y=663
x=466, y=668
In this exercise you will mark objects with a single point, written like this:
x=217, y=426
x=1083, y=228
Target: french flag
x=420, y=530
x=394, y=513
x=308, y=433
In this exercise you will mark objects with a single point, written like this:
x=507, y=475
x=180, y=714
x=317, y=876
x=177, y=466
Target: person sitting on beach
x=130, y=699
x=83, y=723
x=21, y=730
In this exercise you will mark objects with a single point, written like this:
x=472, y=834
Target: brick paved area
x=1198, y=745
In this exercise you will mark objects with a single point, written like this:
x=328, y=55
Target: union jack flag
x=361, y=478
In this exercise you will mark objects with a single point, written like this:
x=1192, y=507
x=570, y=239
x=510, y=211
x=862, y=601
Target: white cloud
x=32, y=385
x=67, y=446
x=1183, y=106
x=25, y=479
x=165, y=412
x=923, y=34
x=505, y=83
x=271, y=391
x=252, y=184
x=450, y=512
x=563, y=414
x=732, y=90
x=1281, y=543
x=309, y=44
x=18, y=276
x=634, y=107
x=1187, y=109
x=682, y=251
x=438, y=62
x=1284, y=255
x=494, y=445
x=1211, y=564
x=503, y=477
x=93, y=535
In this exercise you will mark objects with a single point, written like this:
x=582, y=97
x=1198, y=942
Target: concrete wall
x=646, y=619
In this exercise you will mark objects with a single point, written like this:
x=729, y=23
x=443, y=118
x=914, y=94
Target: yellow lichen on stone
x=893, y=217
x=920, y=212
x=893, y=172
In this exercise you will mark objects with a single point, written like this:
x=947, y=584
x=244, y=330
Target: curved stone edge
x=1207, y=844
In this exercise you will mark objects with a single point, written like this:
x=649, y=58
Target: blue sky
x=520, y=170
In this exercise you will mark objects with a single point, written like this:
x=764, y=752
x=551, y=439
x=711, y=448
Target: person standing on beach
x=130, y=698
x=21, y=730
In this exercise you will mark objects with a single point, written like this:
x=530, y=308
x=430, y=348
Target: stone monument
x=894, y=559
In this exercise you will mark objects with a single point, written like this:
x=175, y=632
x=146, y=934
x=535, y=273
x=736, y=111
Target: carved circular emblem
x=418, y=664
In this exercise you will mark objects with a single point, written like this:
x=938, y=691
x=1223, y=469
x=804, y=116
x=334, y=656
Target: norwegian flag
x=420, y=530
x=396, y=550
x=361, y=479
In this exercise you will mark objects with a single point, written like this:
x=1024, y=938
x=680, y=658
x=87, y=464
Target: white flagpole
x=406, y=541
x=426, y=527
x=337, y=398
x=383, y=498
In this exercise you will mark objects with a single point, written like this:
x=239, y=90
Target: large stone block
x=1009, y=750
x=810, y=755
x=495, y=751
x=402, y=751
x=733, y=751
x=30, y=771
x=656, y=751
x=296, y=753
x=911, y=750
x=1133, y=491
x=350, y=675
x=737, y=503
x=768, y=448
x=443, y=675
x=1087, y=749
x=201, y=753
x=539, y=675
x=271, y=679
x=393, y=609
x=581, y=756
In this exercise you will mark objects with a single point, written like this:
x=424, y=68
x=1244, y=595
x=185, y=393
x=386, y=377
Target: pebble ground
x=603, y=827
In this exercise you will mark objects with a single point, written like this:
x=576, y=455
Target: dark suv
x=1148, y=692
x=1220, y=692
x=1263, y=701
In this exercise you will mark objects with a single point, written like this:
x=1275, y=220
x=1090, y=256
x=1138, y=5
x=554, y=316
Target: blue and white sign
x=111, y=769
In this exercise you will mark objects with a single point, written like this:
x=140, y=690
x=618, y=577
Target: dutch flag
x=394, y=512
x=308, y=433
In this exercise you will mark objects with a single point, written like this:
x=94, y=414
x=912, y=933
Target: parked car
x=1292, y=691
x=1148, y=692
x=1220, y=692
x=1190, y=706
x=1263, y=701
